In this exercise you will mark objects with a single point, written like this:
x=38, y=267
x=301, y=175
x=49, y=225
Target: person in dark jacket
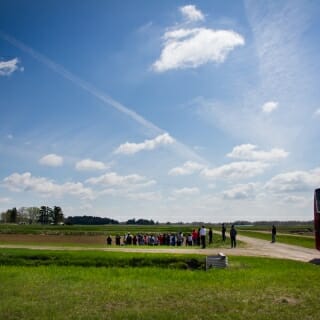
x=233, y=236
x=118, y=239
x=210, y=235
x=223, y=232
x=273, y=233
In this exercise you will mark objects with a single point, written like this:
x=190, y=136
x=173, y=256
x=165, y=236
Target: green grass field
x=303, y=241
x=52, y=284
x=250, y=288
x=299, y=235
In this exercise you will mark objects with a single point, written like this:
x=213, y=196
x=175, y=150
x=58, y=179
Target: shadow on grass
x=315, y=261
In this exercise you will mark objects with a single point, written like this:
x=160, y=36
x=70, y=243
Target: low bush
x=25, y=257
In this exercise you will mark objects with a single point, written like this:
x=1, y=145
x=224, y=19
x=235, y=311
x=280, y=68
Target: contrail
x=79, y=82
x=57, y=68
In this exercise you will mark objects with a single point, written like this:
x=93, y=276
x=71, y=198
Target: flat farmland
x=51, y=239
x=248, y=246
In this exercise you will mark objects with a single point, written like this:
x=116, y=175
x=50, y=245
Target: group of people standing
x=201, y=235
x=233, y=235
x=196, y=238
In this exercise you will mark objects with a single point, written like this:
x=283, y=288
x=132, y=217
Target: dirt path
x=263, y=248
x=253, y=247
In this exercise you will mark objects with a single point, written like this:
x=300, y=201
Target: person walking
x=210, y=236
x=118, y=239
x=203, y=232
x=195, y=237
x=199, y=237
x=223, y=232
x=273, y=233
x=233, y=236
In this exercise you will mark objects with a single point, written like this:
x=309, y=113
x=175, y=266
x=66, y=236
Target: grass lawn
x=302, y=241
x=250, y=288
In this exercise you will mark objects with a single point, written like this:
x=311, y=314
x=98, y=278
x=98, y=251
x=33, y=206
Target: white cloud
x=186, y=192
x=292, y=199
x=241, y=191
x=132, y=148
x=43, y=186
x=129, y=181
x=280, y=46
x=269, y=107
x=8, y=67
x=191, y=13
x=77, y=189
x=51, y=160
x=236, y=170
x=88, y=165
x=127, y=193
x=187, y=168
x=249, y=152
x=295, y=181
x=190, y=48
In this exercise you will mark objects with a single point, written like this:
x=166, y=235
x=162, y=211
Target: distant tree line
x=48, y=215
x=92, y=220
x=89, y=220
x=28, y=215
x=140, y=222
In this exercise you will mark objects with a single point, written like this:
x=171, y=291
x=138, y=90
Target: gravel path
x=262, y=248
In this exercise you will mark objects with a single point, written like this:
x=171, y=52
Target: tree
x=33, y=214
x=5, y=217
x=131, y=221
x=57, y=215
x=23, y=215
x=13, y=214
x=45, y=215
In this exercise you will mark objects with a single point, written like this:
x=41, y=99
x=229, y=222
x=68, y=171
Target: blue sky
x=165, y=110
